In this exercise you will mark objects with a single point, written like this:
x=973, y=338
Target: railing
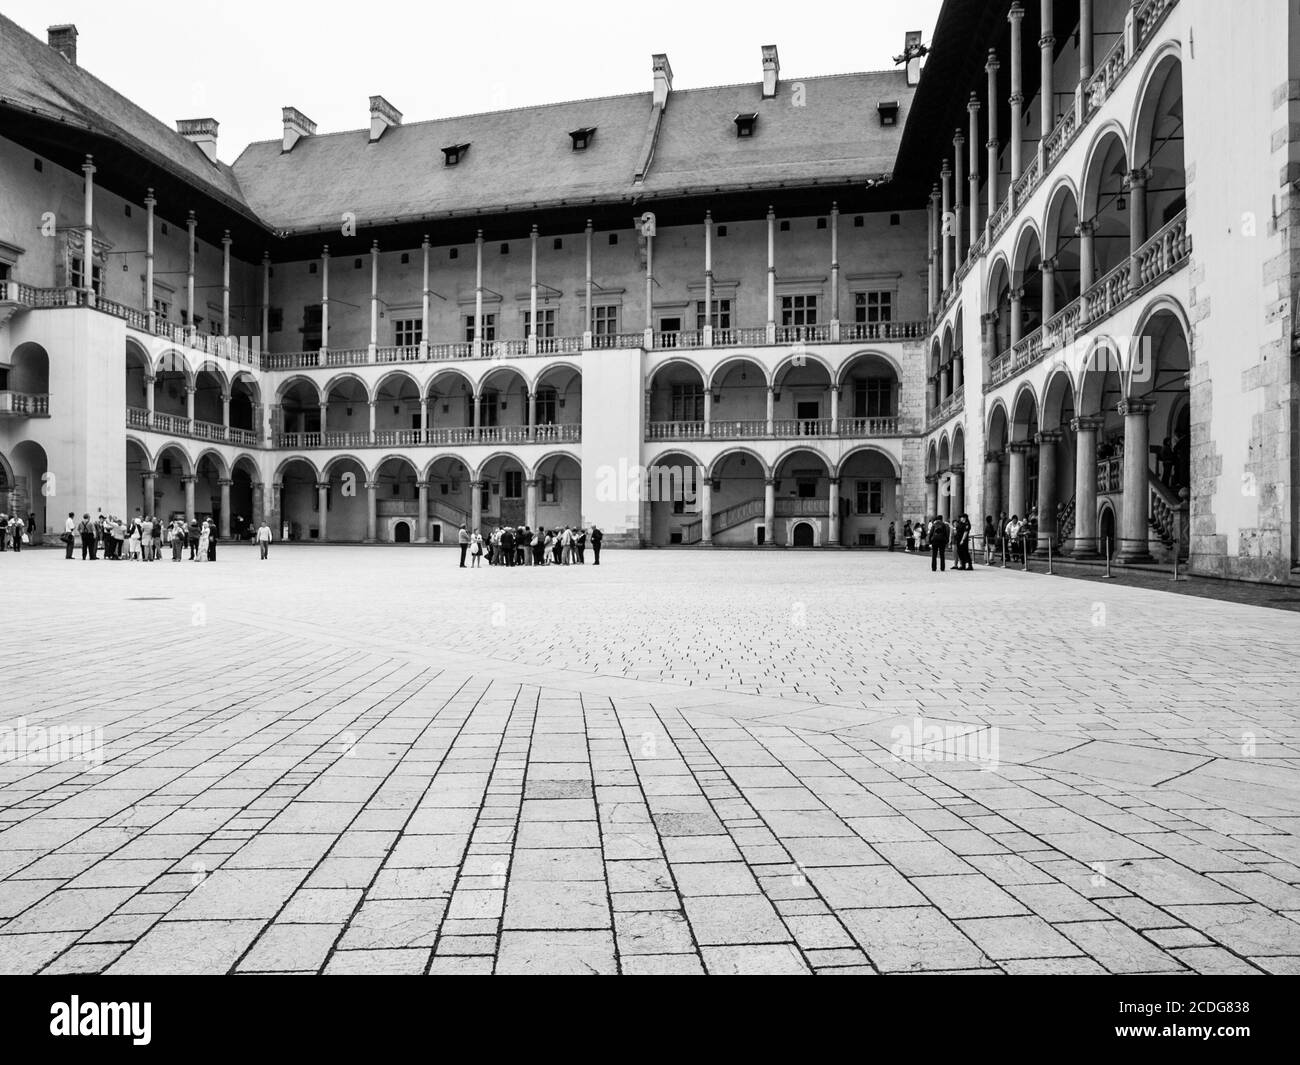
x=179, y=425
x=605, y=341
x=803, y=334
x=738, y=428
x=568, y=432
x=1110, y=475
x=819, y=508
x=1148, y=14
x=1061, y=137
x=787, y=427
x=29, y=404
x=949, y=406
x=1167, y=248
x=1168, y=516
x=1065, y=517
x=855, y=331
x=860, y=428
x=675, y=431
x=680, y=338
x=490, y=434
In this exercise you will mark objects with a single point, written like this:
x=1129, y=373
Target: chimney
x=200, y=131
x=911, y=45
x=663, y=72
x=296, y=126
x=382, y=115
x=771, y=70
x=63, y=39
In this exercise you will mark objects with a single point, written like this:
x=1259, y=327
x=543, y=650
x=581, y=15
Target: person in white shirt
x=69, y=533
x=264, y=538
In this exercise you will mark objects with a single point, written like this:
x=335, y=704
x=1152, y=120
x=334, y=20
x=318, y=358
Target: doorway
x=803, y=536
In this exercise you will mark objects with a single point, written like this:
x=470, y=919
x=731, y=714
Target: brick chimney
x=200, y=131
x=382, y=115
x=296, y=126
x=63, y=39
x=663, y=74
x=771, y=70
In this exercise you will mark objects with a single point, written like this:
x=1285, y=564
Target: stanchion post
x=1108, y=575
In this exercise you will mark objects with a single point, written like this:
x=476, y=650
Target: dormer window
x=582, y=137
x=745, y=124
x=453, y=153
x=888, y=111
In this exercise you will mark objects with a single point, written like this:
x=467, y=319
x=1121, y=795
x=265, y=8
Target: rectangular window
x=873, y=397
x=719, y=319
x=162, y=309
x=514, y=484
x=96, y=276
x=550, y=487
x=688, y=403
x=407, y=332
x=546, y=406
x=870, y=497
x=274, y=319
x=489, y=327
x=488, y=408
x=605, y=320
x=807, y=487
x=870, y=308
x=545, y=323
x=798, y=310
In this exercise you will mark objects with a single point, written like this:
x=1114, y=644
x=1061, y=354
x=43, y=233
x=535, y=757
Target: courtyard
x=366, y=760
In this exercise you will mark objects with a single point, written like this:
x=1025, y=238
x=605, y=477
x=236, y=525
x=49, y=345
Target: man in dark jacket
x=508, y=545
x=596, y=537
x=939, y=544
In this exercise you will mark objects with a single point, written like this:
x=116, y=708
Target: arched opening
x=243, y=504
x=502, y=493
x=209, y=388
x=1105, y=209
x=869, y=479
x=1158, y=146
x=399, y=412
x=801, y=398
x=870, y=394
x=503, y=407
x=557, y=404
x=559, y=492
x=346, y=508
x=739, y=411
x=345, y=418
x=675, y=494
x=451, y=409
x=299, y=414
x=1061, y=250
x=449, y=498
x=997, y=336
x=1107, y=531
x=996, y=471
x=804, y=535
x=27, y=376
x=1027, y=283
x=1022, y=460
x=397, y=497
x=245, y=403
x=136, y=365
x=402, y=532
x=804, y=493
x=299, y=516
x=737, y=498
x=676, y=403
x=30, y=490
x=171, y=385
x=171, y=468
x=1056, y=464
x=141, y=495
x=207, y=488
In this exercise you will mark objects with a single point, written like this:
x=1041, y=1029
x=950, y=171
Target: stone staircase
x=727, y=518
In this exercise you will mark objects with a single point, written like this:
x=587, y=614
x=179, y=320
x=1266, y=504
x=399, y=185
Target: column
x=322, y=508
x=150, y=490
x=993, y=484
x=149, y=204
x=1134, y=534
x=1086, y=231
x=324, y=418
x=477, y=400
x=188, y=481
x=225, y=284
x=189, y=402
x=225, y=413
x=945, y=494
x=266, y=300
x=991, y=179
x=426, y=420
x=931, y=217
x=191, y=226
x=990, y=335
x=325, y=298
x=1137, y=220
x=422, y=512
x=708, y=410
x=835, y=270
x=973, y=106
x=1047, y=95
x=769, y=511
x=588, y=332
x=958, y=370
x=223, y=523
x=277, y=511
x=945, y=175
x=706, y=511
x=149, y=381
x=374, y=406
x=1017, y=296
x=1048, y=267
x=476, y=349
x=530, y=503
x=707, y=339
x=834, y=515
x=771, y=411
x=371, y=515
x=957, y=487
x=88, y=232
x=1018, y=503
x=1085, y=40
x=649, y=290
x=374, y=298
x=835, y=410
x=1047, y=441
x=532, y=415
x=771, y=276
x=1084, y=544
x=1015, y=16
x=532, y=292
x=958, y=219
x=424, y=331
x=475, y=505
x=259, y=503
x=931, y=496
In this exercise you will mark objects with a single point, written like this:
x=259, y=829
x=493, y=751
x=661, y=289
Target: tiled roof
x=524, y=157
x=37, y=79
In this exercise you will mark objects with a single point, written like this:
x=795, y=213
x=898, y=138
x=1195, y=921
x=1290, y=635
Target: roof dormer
x=582, y=137
x=745, y=123
x=454, y=153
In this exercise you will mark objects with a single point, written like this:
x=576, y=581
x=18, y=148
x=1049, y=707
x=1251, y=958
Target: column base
x=1133, y=558
x=1084, y=550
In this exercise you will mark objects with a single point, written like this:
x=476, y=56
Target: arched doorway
x=803, y=535
x=1106, y=531
x=401, y=533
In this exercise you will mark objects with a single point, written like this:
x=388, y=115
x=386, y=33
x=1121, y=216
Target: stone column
x=425, y=293
x=188, y=480
x=476, y=348
x=931, y=266
x=771, y=276
x=1084, y=544
x=989, y=337
x=374, y=408
x=191, y=225
x=708, y=411
x=973, y=106
x=946, y=232
x=1048, y=268
x=149, y=204
x=957, y=487
x=590, y=325
x=1046, y=93
x=958, y=210
x=707, y=329
x=1086, y=230
x=835, y=270
x=835, y=410
x=1085, y=40
x=532, y=291
x=1018, y=503
x=325, y=298
x=266, y=301
x=931, y=496
x=150, y=490
x=225, y=284
x=475, y=505
x=1135, y=534
x=1017, y=297
x=945, y=494
x=769, y=510
x=649, y=291
x=223, y=523
x=1137, y=220
x=225, y=414
x=1047, y=500
x=706, y=511
x=771, y=411
x=532, y=415
x=149, y=381
x=992, y=484
x=834, y=513
x=530, y=503
x=374, y=299
x=422, y=513
x=1015, y=16
x=991, y=179
x=259, y=503
x=322, y=508
x=189, y=402
x=372, y=517
x=477, y=400
x=324, y=420
x=88, y=231
x=277, y=510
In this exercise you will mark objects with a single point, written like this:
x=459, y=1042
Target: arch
x=932, y=459
x=1093, y=158
x=1028, y=240
x=447, y=456
x=791, y=361
x=1064, y=190
x=373, y=474
x=672, y=363
x=150, y=462
x=405, y=376
x=847, y=364
x=346, y=376
x=172, y=360
x=558, y=453
x=997, y=430
x=217, y=458
x=945, y=459
x=803, y=533
x=29, y=369
x=210, y=365
x=721, y=369
x=246, y=462
x=1144, y=364
x=187, y=467
x=549, y=368
x=284, y=387
x=1159, y=66
x=735, y=451
x=287, y=462
x=999, y=274
x=872, y=449
x=327, y=471
x=936, y=356
x=675, y=451
x=1056, y=392
x=448, y=371
x=247, y=379
x=945, y=348
x=1101, y=367
x=1024, y=412
x=137, y=350
x=806, y=449
x=958, y=446
x=401, y=531
x=507, y=456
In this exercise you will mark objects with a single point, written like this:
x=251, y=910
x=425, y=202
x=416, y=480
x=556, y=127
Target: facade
x=762, y=294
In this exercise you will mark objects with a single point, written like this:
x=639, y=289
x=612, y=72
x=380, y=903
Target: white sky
x=240, y=61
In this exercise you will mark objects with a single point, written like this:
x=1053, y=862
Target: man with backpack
x=939, y=544
x=86, y=531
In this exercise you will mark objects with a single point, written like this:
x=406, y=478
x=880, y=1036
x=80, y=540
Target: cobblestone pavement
x=360, y=760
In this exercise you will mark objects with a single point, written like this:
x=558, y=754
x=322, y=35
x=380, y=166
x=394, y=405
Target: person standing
x=539, y=546
x=69, y=533
x=476, y=550
x=464, y=545
x=893, y=536
x=264, y=539
x=580, y=545
x=192, y=538
x=963, y=543
x=596, y=537
x=212, y=541
x=508, y=545
x=201, y=545
x=16, y=528
x=938, y=544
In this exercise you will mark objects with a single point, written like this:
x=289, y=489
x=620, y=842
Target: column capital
x=325, y=252
x=1046, y=41
x=322, y=486
x=833, y=480
x=770, y=482
x=1086, y=425
x=935, y=194
x=992, y=64
x=225, y=482
x=1134, y=407
x=1138, y=175
x=1016, y=98
x=225, y=238
x=88, y=167
x=191, y=389
x=1086, y=227
x=1020, y=447
x=149, y=200
x=372, y=485
x=188, y=478
x=989, y=318
x=1016, y=13
x=148, y=475
x=374, y=247
x=958, y=139
x=931, y=478
x=973, y=104
x=1048, y=436
x=994, y=457
x=150, y=379
x=1048, y=265
x=532, y=482
x=191, y=219
x=1018, y=294
x=957, y=467
x=945, y=171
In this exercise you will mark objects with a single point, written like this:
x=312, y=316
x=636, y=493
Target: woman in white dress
x=204, y=534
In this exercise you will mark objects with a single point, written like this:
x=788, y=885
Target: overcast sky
x=240, y=61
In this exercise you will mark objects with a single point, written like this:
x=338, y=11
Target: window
x=488, y=408
x=688, y=403
x=505, y=249
x=582, y=137
x=888, y=111
x=453, y=153
x=785, y=225
x=745, y=124
x=162, y=309
x=406, y=258
x=558, y=243
x=722, y=231
x=870, y=497
x=128, y=210
x=514, y=484
x=407, y=332
x=546, y=406
x=798, y=310
x=550, y=489
x=871, y=308
x=311, y=267
x=605, y=320
x=311, y=327
x=453, y=253
x=719, y=319
x=545, y=322
x=489, y=327
x=873, y=398
x=76, y=276
x=613, y=238
x=274, y=319
x=807, y=487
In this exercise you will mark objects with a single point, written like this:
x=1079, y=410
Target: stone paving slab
x=348, y=761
